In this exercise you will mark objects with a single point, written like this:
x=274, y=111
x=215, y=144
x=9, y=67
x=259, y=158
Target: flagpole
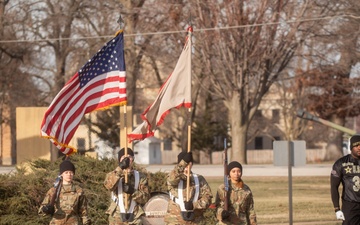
x=188, y=150
x=189, y=126
x=122, y=23
x=126, y=152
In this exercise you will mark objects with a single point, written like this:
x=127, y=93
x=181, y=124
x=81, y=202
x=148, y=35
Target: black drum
x=155, y=209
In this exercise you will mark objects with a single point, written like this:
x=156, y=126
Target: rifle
x=49, y=208
x=57, y=185
x=226, y=181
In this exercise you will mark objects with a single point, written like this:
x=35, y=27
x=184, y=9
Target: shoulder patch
x=334, y=173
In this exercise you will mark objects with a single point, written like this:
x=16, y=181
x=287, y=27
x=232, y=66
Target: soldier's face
x=355, y=151
x=235, y=174
x=128, y=156
x=67, y=176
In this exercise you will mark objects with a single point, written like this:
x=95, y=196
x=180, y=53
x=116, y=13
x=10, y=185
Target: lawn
x=311, y=199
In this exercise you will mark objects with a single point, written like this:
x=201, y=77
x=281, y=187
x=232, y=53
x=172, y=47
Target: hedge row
x=22, y=192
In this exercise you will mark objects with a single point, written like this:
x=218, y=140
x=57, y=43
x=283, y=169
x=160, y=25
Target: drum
x=156, y=209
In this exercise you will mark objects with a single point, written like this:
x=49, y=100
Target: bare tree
x=16, y=85
x=248, y=55
x=334, y=51
x=65, y=35
x=63, y=25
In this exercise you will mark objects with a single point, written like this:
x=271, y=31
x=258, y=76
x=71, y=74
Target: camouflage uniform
x=173, y=215
x=241, y=205
x=140, y=196
x=70, y=208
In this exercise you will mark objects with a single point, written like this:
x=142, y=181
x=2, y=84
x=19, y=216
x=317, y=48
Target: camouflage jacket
x=140, y=196
x=241, y=205
x=201, y=204
x=70, y=208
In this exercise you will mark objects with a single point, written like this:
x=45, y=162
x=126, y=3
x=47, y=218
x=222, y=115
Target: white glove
x=340, y=215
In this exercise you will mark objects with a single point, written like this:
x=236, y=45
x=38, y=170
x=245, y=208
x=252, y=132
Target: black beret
x=186, y=156
x=122, y=152
x=181, y=156
x=66, y=165
x=234, y=164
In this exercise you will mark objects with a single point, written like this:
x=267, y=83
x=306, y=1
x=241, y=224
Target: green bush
x=21, y=193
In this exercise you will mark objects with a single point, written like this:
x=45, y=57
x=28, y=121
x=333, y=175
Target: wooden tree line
x=241, y=50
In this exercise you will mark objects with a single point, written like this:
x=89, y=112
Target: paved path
x=253, y=170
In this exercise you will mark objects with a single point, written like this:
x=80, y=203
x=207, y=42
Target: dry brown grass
x=310, y=196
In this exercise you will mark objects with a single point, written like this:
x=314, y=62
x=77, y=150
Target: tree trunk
x=238, y=131
x=334, y=146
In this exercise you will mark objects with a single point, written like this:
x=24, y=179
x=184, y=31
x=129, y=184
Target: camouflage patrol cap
x=122, y=152
x=66, y=165
x=354, y=141
x=234, y=164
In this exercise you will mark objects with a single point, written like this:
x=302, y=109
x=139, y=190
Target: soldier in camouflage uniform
x=180, y=211
x=136, y=191
x=240, y=200
x=71, y=205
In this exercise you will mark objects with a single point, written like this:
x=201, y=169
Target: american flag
x=99, y=84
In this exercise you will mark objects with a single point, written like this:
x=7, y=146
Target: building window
x=167, y=144
x=258, y=143
x=275, y=115
x=81, y=144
